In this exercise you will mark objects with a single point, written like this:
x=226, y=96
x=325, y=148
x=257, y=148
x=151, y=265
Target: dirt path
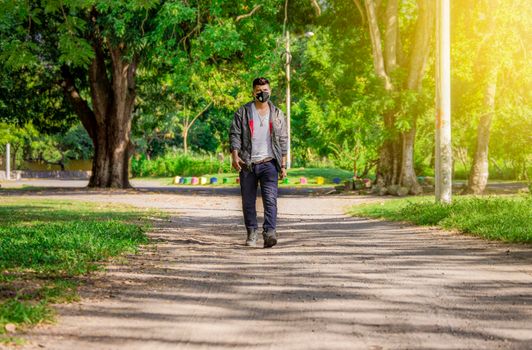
x=333, y=282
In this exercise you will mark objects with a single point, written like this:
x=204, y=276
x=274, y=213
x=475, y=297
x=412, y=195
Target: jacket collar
x=273, y=108
x=249, y=114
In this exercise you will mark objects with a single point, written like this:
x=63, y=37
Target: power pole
x=443, y=171
x=8, y=162
x=288, y=59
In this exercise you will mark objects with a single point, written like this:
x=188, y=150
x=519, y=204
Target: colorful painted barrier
x=303, y=181
x=320, y=180
x=214, y=180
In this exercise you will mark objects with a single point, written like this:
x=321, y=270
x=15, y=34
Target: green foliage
x=27, y=143
x=335, y=107
x=177, y=163
x=492, y=35
x=195, y=54
x=60, y=148
x=18, y=137
x=218, y=40
x=498, y=218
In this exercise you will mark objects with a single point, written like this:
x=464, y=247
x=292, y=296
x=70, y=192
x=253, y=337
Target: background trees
x=492, y=81
x=173, y=73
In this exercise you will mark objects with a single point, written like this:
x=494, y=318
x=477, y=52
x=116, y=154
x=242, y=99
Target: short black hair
x=260, y=81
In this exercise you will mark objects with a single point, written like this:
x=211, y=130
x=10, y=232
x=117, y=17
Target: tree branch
x=376, y=45
x=199, y=114
x=131, y=72
x=80, y=106
x=99, y=82
x=241, y=17
x=316, y=6
x=421, y=46
x=361, y=10
x=390, y=36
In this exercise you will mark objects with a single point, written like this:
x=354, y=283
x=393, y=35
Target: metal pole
x=443, y=171
x=288, y=58
x=8, y=162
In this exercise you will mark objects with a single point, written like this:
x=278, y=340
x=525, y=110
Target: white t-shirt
x=261, y=142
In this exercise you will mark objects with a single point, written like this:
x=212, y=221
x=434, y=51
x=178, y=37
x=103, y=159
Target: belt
x=265, y=160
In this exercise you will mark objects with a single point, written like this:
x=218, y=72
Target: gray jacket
x=241, y=129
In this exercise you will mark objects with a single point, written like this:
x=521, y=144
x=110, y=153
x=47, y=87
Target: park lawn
x=294, y=175
x=504, y=218
x=46, y=244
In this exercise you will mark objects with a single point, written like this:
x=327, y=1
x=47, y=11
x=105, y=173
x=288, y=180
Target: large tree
x=400, y=61
x=96, y=48
x=495, y=27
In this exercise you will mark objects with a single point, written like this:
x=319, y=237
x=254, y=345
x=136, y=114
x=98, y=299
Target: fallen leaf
x=10, y=328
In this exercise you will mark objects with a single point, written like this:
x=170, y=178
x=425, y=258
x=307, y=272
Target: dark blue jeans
x=267, y=175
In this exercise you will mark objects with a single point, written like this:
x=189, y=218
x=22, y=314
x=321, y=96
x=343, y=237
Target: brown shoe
x=269, y=238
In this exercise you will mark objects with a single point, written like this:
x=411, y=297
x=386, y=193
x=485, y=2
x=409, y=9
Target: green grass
x=505, y=218
x=45, y=244
x=24, y=312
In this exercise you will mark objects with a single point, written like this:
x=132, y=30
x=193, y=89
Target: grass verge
x=505, y=218
x=46, y=244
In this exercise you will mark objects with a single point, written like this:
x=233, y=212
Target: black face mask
x=263, y=96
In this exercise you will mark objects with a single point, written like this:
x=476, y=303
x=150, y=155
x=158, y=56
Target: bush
x=176, y=163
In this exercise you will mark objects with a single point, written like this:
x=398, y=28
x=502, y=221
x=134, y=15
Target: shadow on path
x=333, y=282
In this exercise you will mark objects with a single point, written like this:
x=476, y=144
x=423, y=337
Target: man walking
x=259, y=138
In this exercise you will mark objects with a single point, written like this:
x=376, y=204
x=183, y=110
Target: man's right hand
x=237, y=162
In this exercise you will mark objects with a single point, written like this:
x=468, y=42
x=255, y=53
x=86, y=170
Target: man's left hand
x=283, y=173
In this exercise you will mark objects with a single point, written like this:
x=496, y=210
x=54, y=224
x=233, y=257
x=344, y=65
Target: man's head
x=261, y=89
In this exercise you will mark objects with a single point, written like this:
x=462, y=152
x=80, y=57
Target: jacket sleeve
x=283, y=137
x=235, y=132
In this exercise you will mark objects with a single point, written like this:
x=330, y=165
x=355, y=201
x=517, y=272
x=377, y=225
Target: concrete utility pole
x=8, y=162
x=288, y=59
x=443, y=169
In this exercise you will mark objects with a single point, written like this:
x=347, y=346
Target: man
x=259, y=138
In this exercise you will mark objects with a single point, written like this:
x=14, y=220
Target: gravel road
x=333, y=282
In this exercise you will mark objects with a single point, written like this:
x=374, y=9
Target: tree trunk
x=478, y=177
x=14, y=161
x=387, y=163
x=61, y=164
x=108, y=123
x=417, y=64
x=396, y=158
x=185, y=142
x=408, y=174
x=188, y=124
x=387, y=166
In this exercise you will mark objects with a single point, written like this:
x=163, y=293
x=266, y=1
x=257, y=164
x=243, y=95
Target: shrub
x=176, y=163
